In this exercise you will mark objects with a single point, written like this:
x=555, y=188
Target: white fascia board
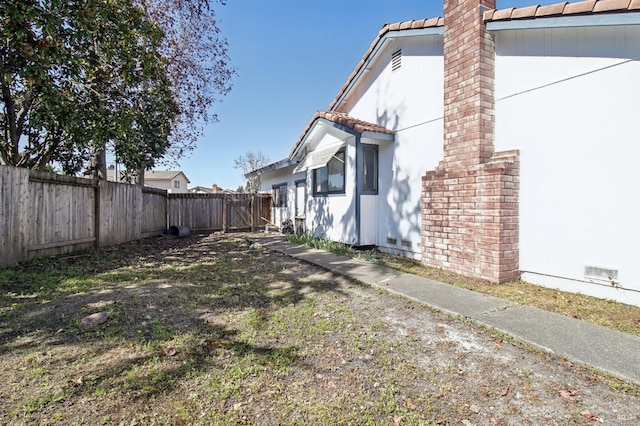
x=597, y=20
x=270, y=168
x=388, y=36
x=379, y=136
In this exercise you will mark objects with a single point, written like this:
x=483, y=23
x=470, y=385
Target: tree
x=249, y=162
x=76, y=75
x=198, y=65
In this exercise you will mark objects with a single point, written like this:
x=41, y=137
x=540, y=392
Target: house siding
x=286, y=176
x=333, y=216
x=408, y=101
x=563, y=101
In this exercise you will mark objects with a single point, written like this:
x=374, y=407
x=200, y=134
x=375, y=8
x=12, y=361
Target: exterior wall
x=168, y=185
x=568, y=99
x=329, y=216
x=159, y=184
x=285, y=175
x=408, y=101
x=182, y=181
x=334, y=216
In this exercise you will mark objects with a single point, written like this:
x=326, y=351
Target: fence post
x=253, y=214
x=224, y=213
x=96, y=214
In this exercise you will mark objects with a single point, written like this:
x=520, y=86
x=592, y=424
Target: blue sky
x=292, y=57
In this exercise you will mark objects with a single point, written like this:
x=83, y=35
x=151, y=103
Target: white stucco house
x=493, y=143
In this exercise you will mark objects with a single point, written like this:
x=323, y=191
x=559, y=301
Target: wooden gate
x=219, y=212
x=244, y=212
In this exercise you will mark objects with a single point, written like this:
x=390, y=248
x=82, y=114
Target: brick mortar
x=472, y=228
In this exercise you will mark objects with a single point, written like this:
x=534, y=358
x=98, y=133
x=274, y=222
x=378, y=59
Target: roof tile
x=406, y=25
x=503, y=13
x=580, y=7
x=524, y=12
x=488, y=14
x=395, y=26
x=562, y=8
x=611, y=5
x=418, y=23
x=551, y=9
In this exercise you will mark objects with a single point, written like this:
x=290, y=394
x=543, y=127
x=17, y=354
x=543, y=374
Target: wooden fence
x=44, y=214
x=219, y=212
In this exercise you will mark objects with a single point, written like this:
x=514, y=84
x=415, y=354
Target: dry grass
x=607, y=313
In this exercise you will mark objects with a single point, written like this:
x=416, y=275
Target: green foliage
x=322, y=244
x=78, y=75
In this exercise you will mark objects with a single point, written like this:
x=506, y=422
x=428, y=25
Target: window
x=176, y=184
x=279, y=195
x=370, y=168
x=330, y=178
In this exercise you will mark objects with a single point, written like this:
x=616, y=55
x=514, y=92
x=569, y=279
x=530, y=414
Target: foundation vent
x=603, y=275
x=392, y=241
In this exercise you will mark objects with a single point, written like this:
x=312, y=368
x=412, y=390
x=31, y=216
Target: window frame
x=376, y=168
x=325, y=168
x=176, y=184
x=279, y=195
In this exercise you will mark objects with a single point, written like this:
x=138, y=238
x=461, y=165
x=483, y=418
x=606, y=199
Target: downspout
x=358, y=186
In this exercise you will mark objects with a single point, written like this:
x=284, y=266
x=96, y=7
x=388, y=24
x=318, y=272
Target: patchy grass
x=607, y=313
x=212, y=330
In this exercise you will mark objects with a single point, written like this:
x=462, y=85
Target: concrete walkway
x=578, y=341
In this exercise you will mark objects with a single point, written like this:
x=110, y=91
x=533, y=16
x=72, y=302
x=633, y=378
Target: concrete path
x=578, y=341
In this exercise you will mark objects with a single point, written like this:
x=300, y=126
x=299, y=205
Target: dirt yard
x=210, y=329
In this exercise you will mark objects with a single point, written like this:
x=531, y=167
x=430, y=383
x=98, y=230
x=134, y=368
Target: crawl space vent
x=598, y=274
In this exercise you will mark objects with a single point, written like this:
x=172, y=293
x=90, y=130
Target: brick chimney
x=470, y=201
x=468, y=82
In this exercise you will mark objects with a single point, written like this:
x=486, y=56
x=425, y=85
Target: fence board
x=120, y=208
x=57, y=222
x=14, y=188
x=198, y=212
x=154, y=212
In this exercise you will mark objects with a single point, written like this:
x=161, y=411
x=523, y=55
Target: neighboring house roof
x=200, y=189
x=359, y=126
x=562, y=9
x=163, y=175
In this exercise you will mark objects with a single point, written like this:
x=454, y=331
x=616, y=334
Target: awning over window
x=318, y=158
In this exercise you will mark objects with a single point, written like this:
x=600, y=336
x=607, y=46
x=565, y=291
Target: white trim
x=597, y=20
